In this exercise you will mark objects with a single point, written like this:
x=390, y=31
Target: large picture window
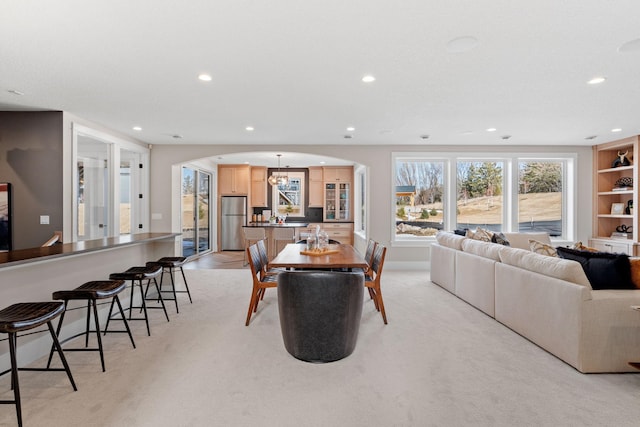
x=419, y=195
x=479, y=198
x=508, y=192
x=540, y=196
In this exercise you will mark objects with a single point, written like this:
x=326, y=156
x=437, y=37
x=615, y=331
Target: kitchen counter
x=283, y=225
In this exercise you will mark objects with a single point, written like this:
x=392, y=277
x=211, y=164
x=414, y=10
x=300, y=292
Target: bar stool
x=137, y=275
x=282, y=235
x=22, y=317
x=169, y=265
x=92, y=291
x=252, y=235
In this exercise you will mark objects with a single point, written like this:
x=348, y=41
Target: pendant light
x=277, y=179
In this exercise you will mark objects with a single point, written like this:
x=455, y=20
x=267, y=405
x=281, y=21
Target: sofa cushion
x=559, y=268
x=483, y=249
x=604, y=270
x=450, y=240
x=521, y=240
x=542, y=248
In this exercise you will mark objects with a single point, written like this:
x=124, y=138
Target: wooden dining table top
x=340, y=256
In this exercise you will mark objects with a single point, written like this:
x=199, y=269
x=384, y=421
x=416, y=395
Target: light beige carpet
x=439, y=362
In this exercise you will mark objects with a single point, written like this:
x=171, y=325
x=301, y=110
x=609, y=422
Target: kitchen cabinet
x=337, y=201
x=337, y=173
x=258, y=187
x=233, y=180
x=316, y=187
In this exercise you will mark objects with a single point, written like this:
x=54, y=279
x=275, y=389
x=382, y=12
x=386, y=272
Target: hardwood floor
x=218, y=260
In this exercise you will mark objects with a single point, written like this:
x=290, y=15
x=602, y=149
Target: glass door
x=188, y=212
x=343, y=213
x=92, y=204
x=204, y=193
x=330, y=202
x=196, y=197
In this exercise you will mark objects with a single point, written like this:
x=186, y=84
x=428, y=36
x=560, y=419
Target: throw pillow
x=500, y=239
x=480, y=234
x=542, y=248
x=461, y=232
x=635, y=271
x=604, y=270
x=579, y=246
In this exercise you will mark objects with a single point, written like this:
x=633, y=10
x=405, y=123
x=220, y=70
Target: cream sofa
x=547, y=300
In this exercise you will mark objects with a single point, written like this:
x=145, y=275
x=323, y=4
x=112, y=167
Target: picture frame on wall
x=617, y=208
x=6, y=238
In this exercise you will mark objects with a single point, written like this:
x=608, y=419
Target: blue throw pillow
x=604, y=270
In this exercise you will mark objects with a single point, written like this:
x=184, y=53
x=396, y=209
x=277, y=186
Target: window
x=360, y=201
x=419, y=195
x=508, y=192
x=288, y=199
x=109, y=185
x=479, y=200
x=540, y=201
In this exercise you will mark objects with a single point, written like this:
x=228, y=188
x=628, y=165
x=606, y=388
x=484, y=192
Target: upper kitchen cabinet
x=233, y=180
x=258, y=187
x=338, y=173
x=316, y=187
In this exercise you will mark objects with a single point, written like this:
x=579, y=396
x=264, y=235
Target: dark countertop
x=269, y=225
x=23, y=256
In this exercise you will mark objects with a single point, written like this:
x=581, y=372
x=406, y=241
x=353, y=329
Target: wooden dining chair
x=373, y=283
x=368, y=257
x=260, y=284
x=264, y=258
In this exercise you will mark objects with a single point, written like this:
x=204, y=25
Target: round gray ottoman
x=320, y=313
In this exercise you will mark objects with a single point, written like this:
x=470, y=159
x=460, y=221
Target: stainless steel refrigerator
x=234, y=216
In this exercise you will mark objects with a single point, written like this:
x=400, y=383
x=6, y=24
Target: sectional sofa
x=545, y=299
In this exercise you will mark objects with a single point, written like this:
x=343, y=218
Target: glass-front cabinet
x=337, y=201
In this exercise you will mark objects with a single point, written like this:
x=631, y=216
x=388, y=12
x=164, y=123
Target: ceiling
x=292, y=70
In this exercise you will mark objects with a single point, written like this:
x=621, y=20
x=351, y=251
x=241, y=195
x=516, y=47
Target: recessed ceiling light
x=137, y=128
x=630, y=46
x=596, y=80
x=15, y=92
x=491, y=129
x=249, y=128
x=322, y=162
x=350, y=129
x=616, y=130
x=368, y=78
x=462, y=44
x=204, y=77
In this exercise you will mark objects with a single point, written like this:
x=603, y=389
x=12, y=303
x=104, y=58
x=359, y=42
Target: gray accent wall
x=31, y=146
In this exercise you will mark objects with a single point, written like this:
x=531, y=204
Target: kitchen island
x=273, y=246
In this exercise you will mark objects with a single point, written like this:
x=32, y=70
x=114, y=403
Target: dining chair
x=260, y=284
x=368, y=272
x=373, y=282
x=251, y=236
x=264, y=258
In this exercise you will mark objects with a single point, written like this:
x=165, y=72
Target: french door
x=196, y=197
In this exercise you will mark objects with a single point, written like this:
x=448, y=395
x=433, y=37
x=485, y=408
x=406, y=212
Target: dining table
x=337, y=255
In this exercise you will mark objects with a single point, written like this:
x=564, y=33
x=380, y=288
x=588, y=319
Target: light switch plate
x=44, y=219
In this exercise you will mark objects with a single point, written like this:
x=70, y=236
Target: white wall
x=378, y=159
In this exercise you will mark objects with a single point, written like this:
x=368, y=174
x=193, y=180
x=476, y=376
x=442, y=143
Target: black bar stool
x=22, y=317
x=137, y=275
x=93, y=291
x=169, y=265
